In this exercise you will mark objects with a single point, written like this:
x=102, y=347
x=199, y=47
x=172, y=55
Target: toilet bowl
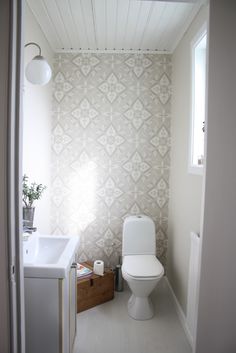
x=140, y=269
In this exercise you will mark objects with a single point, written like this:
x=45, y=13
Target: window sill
x=195, y=169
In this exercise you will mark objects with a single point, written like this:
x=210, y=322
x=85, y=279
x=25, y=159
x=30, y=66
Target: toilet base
x=140, y=308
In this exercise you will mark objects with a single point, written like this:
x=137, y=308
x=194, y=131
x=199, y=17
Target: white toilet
x=141, y=269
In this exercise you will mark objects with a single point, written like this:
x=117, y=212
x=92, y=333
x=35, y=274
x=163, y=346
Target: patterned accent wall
x=110, y=148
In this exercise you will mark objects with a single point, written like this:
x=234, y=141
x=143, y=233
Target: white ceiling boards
x=82, y=25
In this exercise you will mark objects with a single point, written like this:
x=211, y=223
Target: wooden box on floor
x=94, y=290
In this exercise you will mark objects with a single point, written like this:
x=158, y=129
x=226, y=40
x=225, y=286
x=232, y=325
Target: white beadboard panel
x=176, y=25
x=69, y=24
x=152, y=28
x=81, y=25
x=169, y=14
x=132, y=22
x=88, y=19
x=41, y=15
x=141, y=24
x=58, y=20
x=123, y=9
x=100, y=21
x=111, y=15
x=78, y=22
x=166, y=15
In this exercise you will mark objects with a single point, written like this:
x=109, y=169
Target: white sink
x=48, y=256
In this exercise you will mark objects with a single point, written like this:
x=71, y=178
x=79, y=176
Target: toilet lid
x=142, y=266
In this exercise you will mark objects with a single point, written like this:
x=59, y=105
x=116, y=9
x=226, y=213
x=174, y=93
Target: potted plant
x=31, y=193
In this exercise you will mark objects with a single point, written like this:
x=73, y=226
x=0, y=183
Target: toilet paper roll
x=98, y=267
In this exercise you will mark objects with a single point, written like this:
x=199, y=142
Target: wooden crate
x=94, y=290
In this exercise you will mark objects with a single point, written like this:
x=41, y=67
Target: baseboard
x=180, y=313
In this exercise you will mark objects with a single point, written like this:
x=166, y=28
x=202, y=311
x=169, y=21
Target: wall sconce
x=38, y=70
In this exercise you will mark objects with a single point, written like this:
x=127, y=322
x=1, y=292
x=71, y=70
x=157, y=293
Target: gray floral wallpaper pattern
x=110, y=148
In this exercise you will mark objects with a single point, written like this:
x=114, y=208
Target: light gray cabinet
x=50, y=313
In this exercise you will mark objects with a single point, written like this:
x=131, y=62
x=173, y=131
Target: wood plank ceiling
x=82, y=25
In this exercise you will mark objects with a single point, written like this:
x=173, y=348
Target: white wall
x=217, y=307
x=185, y=188
x=37, y=124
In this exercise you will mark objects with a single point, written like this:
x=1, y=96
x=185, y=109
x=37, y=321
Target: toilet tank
x=139, y=236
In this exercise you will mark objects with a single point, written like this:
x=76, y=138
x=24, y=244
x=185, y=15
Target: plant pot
x=28, y=216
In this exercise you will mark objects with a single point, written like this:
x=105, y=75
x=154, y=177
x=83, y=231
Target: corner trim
x=180, y=313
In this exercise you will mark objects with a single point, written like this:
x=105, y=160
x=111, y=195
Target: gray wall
x=111, y=148
x=11, y=290
x=4, y=284
x=217, y=309
x=185, y=188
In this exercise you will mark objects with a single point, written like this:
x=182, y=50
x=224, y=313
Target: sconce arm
x=33, y=43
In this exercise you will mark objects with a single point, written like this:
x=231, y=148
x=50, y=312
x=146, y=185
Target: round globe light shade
x=38, y=71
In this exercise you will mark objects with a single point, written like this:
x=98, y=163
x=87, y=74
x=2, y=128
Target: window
x=198, y=103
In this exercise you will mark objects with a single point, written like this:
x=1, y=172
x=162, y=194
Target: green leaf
x=31, y=192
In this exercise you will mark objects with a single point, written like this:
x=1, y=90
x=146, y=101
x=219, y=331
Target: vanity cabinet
x=50, y=313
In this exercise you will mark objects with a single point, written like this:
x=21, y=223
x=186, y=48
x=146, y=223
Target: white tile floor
x=107, y=328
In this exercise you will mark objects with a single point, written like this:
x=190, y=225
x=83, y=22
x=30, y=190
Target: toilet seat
x=142, y=267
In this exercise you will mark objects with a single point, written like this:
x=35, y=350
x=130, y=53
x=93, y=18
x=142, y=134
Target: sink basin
x=48, y=256
x=45, y=250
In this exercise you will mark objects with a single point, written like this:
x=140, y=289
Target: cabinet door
x=43, y=312
x=73, y=303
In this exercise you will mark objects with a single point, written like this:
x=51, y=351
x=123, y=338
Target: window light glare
x=198, y=102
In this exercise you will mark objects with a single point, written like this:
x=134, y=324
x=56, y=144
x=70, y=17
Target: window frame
x=193, y=168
